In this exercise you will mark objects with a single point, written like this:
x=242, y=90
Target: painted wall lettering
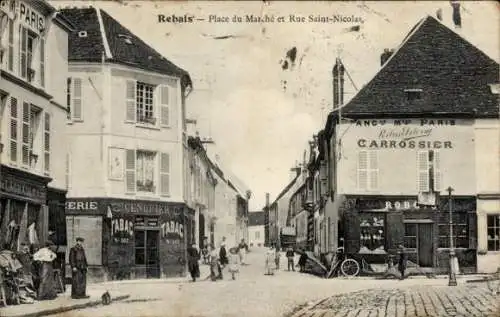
x=81, y=205
x=172, y=228
x=31, y=18
x=122, y=230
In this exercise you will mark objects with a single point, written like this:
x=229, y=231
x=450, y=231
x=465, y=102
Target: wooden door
x=425, y=245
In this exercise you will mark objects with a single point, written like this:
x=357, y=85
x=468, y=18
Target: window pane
x=410, y=229
x=139, y=257
x=444, y=242
x=139, y=238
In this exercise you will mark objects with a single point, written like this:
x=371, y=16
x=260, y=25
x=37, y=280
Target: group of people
x=218, y=259
x=273, y=260
x=35, y=273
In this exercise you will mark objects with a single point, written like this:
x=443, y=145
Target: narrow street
x=254, y=294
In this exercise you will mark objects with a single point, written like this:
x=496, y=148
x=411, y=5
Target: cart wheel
x=349, y=267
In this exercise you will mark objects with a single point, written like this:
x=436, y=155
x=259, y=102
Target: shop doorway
x=147, y=251
x=419, y=243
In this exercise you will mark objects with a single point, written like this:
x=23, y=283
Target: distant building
x=256, y=223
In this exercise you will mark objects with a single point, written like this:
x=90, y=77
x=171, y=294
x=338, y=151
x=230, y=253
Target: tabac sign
x=416, y=134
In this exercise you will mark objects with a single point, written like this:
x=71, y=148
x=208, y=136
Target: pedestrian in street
x=215, y=268
x=46, y=256
x=270, y=261
x=26, y=259
x=277, y=256
x=234, y=259
x=223, y=255
x=402, y=259
x=302, y=261
x=193, y=265
x=290, y=256
x=78, y=263
x=242, y=250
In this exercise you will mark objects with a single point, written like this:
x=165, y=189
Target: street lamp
x=452, y=279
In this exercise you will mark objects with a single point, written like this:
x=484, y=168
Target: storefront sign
x=146, y=208
x=172, y=228
x=17, y=186
x=81, y=205
x=122, y=230
x=31, y=18
x=406, y=134
x=381, y=204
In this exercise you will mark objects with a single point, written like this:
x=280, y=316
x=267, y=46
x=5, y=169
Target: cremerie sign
x=31, y=18
x=420, y=134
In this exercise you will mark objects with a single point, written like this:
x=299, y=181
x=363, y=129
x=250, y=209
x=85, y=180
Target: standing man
x=242, y=250
x=78, y=262
x=402, y=259
x=290, y=256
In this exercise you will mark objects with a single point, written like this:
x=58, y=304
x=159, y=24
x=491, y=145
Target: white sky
x=261, y=130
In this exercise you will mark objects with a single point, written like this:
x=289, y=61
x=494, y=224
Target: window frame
x=141, y=95
x=154, y=184
x=371, y=170
x=495, y=226
x=26, y=56
x=444, y=227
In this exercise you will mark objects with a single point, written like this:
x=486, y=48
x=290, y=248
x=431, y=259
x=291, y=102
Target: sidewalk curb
x=64, y=309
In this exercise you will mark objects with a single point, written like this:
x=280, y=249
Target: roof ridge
x=105, y=42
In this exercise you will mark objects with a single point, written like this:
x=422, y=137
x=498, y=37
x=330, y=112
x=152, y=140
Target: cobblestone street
x=432, y=301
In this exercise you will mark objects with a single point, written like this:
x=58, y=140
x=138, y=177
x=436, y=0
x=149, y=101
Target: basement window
x=413, y=94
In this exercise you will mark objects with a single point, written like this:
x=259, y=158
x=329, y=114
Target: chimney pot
x=385, y=56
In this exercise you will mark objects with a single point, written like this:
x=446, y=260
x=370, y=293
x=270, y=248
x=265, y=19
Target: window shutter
x=130, y=101
x=472, y=230
x=164, y=106
x=423, y=171
x=363, y=170
x=373, y=169
x=42, y=62
x=13, y=129
x=77, y=99
x=164, y=174
x=130, y=171
x=437, y=172
x=46, y=142
x=26, y=146
x=10, y=60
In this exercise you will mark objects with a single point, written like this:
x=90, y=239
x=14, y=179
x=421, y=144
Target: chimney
x=267, y=200
x=385, y=56
x=338, y=83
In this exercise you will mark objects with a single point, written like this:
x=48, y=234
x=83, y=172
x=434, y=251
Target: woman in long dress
x=47, y=288
x=234, y=260
x=270, y=261
x=215, y=269
x=193, y=265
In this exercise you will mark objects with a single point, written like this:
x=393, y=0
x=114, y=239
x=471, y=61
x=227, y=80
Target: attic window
x=126, y=38
x=413, y=94
x=495, y=88
x=82, y=34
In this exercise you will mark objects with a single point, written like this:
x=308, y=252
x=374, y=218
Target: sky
x=260, y=115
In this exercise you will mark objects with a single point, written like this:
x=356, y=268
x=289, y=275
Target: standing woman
x=242, y=250
x=78, y=263
x=223, y=255
x=193, y=265
x=270, y=261
x=47, y=287
x=234, y=259
x=215, y=271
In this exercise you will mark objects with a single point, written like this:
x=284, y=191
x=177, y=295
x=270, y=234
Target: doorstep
x=61, y=304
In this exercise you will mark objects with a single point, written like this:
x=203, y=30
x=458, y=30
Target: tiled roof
x=256, y=218
x=125, y=47
x=453, y=74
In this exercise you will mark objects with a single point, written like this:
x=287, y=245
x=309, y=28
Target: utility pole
x=452, y=279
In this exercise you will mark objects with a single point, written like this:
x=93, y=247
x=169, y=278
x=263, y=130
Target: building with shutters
x=256, y=223
x=421, y=125
x=33, y=70
x=127, y=149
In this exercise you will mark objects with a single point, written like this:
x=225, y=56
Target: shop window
x=367, y=170
x=89, y=228
x=410, y=236
x=145, y=169
x=493, y=225
x=460, y=231
x=372, y=238
x=27, y=47
x=140, y=247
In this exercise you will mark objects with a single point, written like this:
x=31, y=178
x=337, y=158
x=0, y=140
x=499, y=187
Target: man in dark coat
x=193, y=265
x=78, y=263
x=402, y=259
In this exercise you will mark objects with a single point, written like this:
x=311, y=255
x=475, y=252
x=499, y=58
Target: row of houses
x=94, y=144
x=419, y=140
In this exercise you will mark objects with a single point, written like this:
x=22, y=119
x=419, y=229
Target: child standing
x=234, y=260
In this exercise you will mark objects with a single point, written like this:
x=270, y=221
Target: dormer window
x=82, y=34
x=126, y=38
x=413, y=94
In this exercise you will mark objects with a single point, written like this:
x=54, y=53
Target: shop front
x=23, y=208
x=130, y=239
x=374, y=227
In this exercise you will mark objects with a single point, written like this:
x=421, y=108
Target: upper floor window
x=26, y=52
x=142, y=173
x=74, y=105
x=367, y=170
x=148, y=104
x=429, y=176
